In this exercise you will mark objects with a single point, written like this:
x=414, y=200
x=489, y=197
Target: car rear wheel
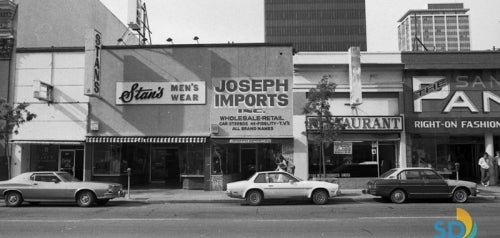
x=85, y=199
x=13, y=199
x=398, y=196
x=319, y=197
x=254, y=198
x=460, y=195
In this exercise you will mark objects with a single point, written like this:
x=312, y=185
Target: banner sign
x=469, y=93
x=355, y=88
x=253, y=106
x=93, y=45
x=359, y=123
x=186, y=93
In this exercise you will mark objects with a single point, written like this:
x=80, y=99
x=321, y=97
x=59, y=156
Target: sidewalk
x=201, y=196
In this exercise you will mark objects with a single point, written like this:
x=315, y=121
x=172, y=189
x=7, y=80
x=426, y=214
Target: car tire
x=254, y=198
x=398, y=196
x=85, y=199
x=13, y=199
x=320, y=197
x=460, y=195
x=102, y=202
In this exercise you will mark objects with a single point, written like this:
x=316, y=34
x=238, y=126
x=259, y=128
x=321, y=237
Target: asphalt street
x=339, y=218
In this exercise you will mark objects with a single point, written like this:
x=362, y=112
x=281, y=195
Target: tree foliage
x=11, y=117
x=321, y=126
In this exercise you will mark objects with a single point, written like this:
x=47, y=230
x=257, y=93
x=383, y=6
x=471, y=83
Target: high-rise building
x=441, y=27
x=316, y=25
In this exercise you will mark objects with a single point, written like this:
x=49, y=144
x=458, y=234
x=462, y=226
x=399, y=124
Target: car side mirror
x=291, y=182
x=55, y=181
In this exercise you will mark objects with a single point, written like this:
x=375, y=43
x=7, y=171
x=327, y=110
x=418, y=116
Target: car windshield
x=388, y=173
x=65, y=177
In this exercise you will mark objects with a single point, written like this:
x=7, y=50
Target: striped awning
x=147, y=139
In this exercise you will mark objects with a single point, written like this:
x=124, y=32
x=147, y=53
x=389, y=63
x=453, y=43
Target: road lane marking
x=94, y=219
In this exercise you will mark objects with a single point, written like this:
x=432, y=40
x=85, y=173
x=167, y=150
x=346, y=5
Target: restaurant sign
x=191, y=93
x=361, y=123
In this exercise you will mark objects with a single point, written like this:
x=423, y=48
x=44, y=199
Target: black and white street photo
x=249, y=118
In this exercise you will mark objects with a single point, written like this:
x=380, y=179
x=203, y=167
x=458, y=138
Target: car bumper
x=370, y=191
x=118, y=194
x=233, y=194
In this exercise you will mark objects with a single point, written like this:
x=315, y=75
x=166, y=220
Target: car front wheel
x=398, y=196
x=254, y=198
x=319, y=197
x=460, y=195
x=13, y=199
x=85, y=199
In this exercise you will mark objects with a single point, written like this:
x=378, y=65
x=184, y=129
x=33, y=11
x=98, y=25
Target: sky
x=242, y=21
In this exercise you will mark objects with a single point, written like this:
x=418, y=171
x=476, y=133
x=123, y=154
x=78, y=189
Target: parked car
x=35, y=187
x=280, y=185
x=402, y=183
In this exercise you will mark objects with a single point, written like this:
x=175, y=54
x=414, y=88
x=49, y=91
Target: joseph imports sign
x=192, y=93
x=253, y=106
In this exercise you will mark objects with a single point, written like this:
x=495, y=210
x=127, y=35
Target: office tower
x=441, y=27
x=316, y=25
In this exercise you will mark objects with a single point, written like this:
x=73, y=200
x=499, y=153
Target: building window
x=107, y=159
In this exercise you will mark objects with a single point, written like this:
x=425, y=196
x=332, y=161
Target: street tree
x=11, y=117
x=321, y=126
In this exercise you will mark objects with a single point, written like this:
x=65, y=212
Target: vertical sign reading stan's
x=93, y=45
x=253, y=107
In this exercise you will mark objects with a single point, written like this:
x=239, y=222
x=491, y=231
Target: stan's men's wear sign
x=192, y=93
x=253, y=106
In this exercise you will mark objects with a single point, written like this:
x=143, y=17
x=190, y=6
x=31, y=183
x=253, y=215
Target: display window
x=349, y=159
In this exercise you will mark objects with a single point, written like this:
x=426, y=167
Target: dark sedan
x=400, y=184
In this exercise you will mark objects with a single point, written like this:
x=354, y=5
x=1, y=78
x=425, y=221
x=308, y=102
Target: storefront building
x=373, y=140
x=48, y=73
x=189, y=116
x=452, y=108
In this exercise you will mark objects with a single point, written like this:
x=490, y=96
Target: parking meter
x=129, y=171
x=457, y=167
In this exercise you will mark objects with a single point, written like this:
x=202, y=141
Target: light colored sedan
x=281, y=185
x=35, y=187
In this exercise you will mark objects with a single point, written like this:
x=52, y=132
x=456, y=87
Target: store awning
x=142, y=139
x=47, y=142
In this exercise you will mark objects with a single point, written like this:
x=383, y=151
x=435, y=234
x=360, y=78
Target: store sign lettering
x=160, y=93
x=252, y=93
x=438, y=88
x=456, y=124
x=93, y=46
x=362, y=123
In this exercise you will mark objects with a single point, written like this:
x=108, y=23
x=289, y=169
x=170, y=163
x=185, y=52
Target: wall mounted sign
x=360, y=123
x=253, y=107
x=93, y=45
x=190, y=93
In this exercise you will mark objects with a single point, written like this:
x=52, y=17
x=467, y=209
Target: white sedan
x=280, y=185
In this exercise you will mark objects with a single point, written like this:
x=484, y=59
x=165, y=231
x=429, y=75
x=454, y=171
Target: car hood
x=452, y=182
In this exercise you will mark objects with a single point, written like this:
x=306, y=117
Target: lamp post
x=196, y=38
x=170, y=40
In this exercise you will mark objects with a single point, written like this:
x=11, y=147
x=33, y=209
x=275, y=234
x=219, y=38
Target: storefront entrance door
x=165, y=167
x=67, y=161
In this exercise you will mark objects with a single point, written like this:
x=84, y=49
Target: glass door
x=158, y=165
x=67, y=161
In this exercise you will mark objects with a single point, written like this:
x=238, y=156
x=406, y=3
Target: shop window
x=225, y=159
x=344, y=159
x=44, y=157
x=107, y=159
x=134, y=157
x=193, y=161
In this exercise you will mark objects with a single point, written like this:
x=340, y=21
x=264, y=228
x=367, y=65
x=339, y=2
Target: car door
x=412, y=182
x=435, y=185
x=46, y=187
x=282, y=185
